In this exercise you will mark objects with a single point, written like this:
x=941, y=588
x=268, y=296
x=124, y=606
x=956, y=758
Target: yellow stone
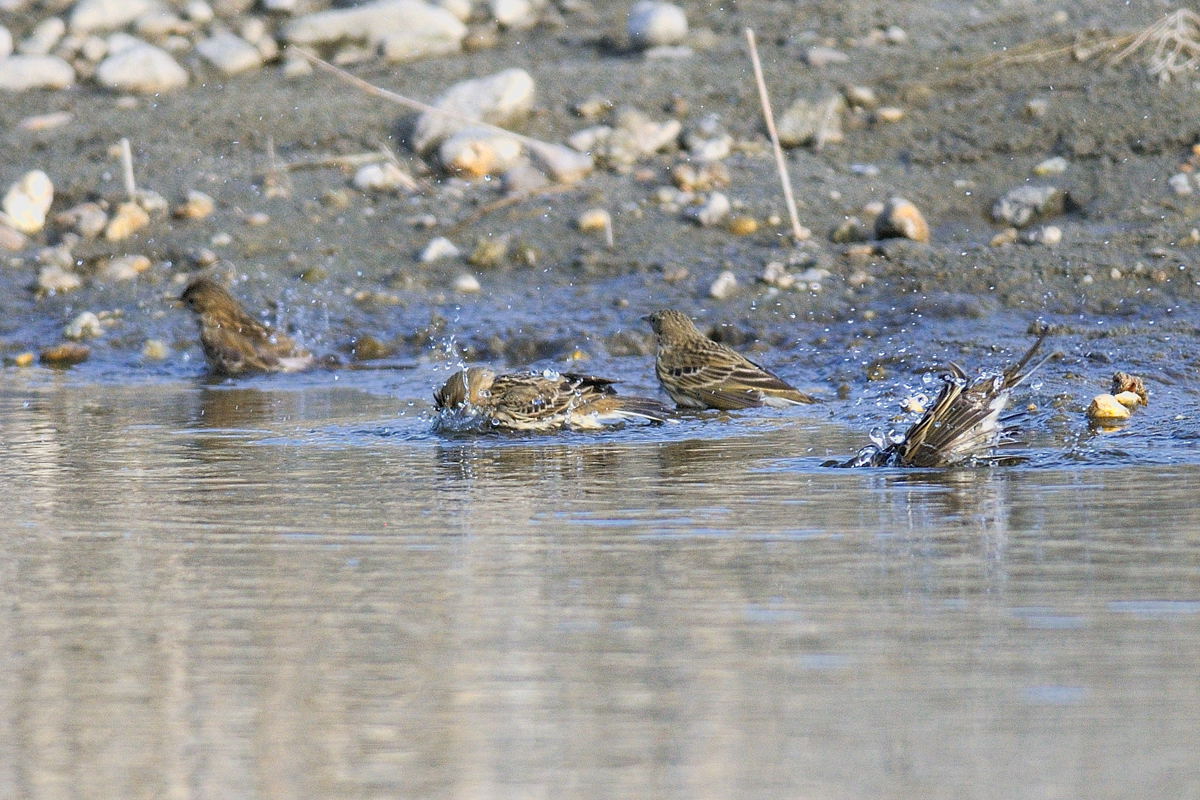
x=1107, y=407
x=743, y=226
x=1128, y=399
x=23, y=359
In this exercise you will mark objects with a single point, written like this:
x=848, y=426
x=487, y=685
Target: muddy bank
x=337, y=264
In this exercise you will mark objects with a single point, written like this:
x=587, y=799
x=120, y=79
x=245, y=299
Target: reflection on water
x=292, y=590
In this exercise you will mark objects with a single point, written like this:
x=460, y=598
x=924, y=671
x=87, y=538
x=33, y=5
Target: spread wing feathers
x=963, y=422
x=713, y=376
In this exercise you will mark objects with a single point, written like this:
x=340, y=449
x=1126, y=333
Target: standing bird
x=962, y=424
x=538, y=401
x=234, y=342
x=700, y=373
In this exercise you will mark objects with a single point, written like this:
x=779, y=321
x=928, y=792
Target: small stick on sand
x=799, y=232
x=127, y=168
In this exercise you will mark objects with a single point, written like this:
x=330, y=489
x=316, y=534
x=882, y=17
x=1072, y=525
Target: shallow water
x=292, y=588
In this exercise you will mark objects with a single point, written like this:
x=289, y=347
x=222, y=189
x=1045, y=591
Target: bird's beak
x=646, y=317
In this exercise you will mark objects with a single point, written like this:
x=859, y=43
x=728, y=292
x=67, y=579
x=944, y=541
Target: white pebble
x=6, y=42
x=21, y=73
x=27, y=202
x=497, y=99
x=653, y=24
x=467, y=284
x=383, y=177
x=44, y=36
x=85, y=326
x=439, y=248
x=141, y=68
x=54, y=279
x=516, y=14
x=101, y=15
x=724, y=286
x=124, y=268
x=1052, y=166
x=1181, y=183
x=229, y=53
x=199, y=12
x=714, y=211
x=1049, y=235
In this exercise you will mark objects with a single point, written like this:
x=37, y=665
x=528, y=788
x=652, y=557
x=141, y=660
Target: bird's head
x=204, y=295
x=670, y=324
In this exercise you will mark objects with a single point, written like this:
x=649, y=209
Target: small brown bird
x=962, y=424
x=234, y=342
x=538, y=401
x=700, y=373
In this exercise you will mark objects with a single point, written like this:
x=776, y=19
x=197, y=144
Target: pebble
x=634, y=136
x=1052, y=166
x=229, y=53
x=123, y=268
x=86, y=219
x=901, y=218
x=53, y=279
x=128, y=219
x=106, y=15
x=708, y=140
x=514, y=14
x=476, y=152
x=1049, y=235
x=655, y=24
x=1037, y=107
x=201, y=12
x=889, y=114
x=43, y=38
x=489, y=252
x=1128, y=399
x=522, y=178
x=66, y=354
x=383, y=176
x=860, y=96
x=713, y=211
x=46, y=122
x=141, y=68
x=197, y=205
x=402, y=29
x=850, y=229
x=431, y=31
x=724, y=286
x=817, y=123
x=705, y=177
x=595, y=220
x=21, y=73
x=439, y=248
x=27, y=202
x=154, y=350
x=25, y=359
x=743, y=225
x=161, y=24
x=1107, y=407
x=498, y=99
x=467, y=284
x=1181, y=183
x=821, y=56
x=257, y=219
x=85, y=326
x=776, y=274
x=6, y=43
x=12, y=239
x=563, y=164
x=1020, y=206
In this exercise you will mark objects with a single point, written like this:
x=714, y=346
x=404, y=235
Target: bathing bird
x=700, y=373
x=541, y=401
x=962, y=424
x=234, y=342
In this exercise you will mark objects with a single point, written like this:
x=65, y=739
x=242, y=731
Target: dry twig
x=799, y=232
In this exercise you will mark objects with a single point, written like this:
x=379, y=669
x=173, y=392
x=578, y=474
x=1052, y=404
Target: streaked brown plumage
x=234, y=342
x=700, y=373
x=962, y=423
x=540, y=401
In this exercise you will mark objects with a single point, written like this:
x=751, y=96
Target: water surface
x=292, y=588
